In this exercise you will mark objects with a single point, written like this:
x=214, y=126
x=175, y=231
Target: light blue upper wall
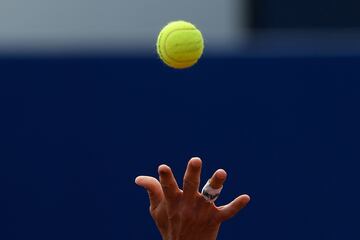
x=114, y=25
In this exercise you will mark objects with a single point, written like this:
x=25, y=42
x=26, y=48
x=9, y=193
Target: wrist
x=190, y=238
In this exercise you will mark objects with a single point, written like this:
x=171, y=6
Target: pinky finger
x=230, y=210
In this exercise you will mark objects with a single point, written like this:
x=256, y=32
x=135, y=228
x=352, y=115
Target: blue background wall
x=76, y=132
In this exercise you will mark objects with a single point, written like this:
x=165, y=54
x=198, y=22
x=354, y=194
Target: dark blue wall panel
x=76, y=132
x=306, y=14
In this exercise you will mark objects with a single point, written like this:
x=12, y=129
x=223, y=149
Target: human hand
x=186, y=214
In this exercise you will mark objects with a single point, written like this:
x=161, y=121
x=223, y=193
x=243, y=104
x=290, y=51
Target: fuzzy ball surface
x=180, y=44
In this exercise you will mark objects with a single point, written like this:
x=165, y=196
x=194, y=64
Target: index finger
x=168, y=183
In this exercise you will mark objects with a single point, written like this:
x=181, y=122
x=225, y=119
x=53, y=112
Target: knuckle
x=190, y=183
x=170, y=192
x=199, y=198
x=165, y=187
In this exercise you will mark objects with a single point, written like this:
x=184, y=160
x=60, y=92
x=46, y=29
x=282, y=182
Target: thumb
x=231, y=209
x=153, y=188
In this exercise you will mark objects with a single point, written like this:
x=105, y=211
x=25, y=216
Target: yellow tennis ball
x=180, y=44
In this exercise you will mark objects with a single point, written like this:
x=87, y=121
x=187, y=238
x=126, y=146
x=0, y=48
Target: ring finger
x=214, y=185
x=218, y=178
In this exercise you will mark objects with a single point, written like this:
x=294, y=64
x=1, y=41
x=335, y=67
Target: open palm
x=185, y=214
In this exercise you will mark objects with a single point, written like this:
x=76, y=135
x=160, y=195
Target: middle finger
x=192, y=178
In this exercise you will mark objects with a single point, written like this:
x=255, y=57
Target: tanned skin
x=184, y=214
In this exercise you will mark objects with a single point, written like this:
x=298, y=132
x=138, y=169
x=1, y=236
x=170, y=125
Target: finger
x=168, y=183
x=153, y=188
x=218, y=178
x=192, y=178
x=231, y=209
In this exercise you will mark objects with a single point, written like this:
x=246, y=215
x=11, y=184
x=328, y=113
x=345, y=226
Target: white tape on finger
x=209, y=193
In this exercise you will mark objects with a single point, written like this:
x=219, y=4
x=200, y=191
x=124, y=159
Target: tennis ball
x=180, y=44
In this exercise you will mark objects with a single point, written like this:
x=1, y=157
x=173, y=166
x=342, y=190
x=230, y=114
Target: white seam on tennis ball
x=161, y=53
x=159, y=47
